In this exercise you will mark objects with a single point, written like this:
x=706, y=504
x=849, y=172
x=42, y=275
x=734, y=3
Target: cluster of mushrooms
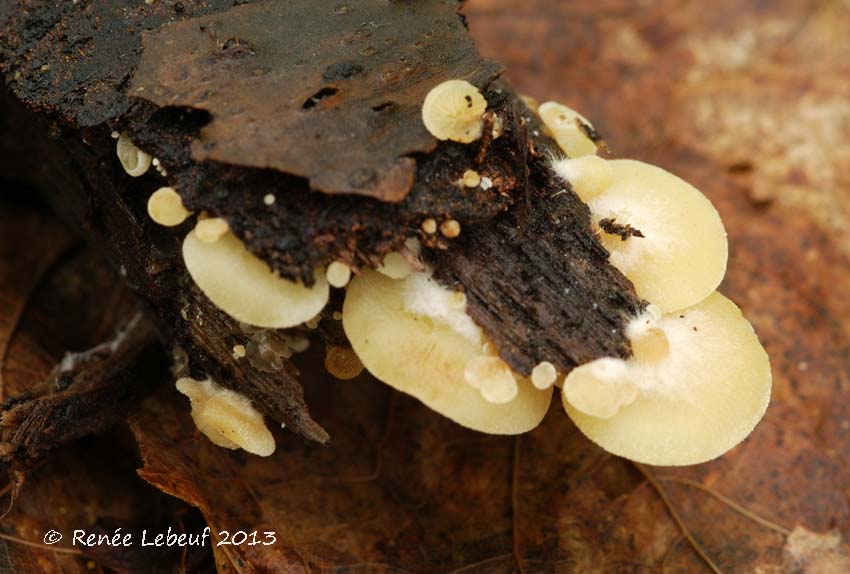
x=696, y=385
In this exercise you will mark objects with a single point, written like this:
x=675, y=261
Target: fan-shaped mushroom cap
x=227, y=418
x=244, y=287
x=681, y=257
x=426, y=358
x=693, y=402
x=453, y=110
x=134, y=161
x=567, y=127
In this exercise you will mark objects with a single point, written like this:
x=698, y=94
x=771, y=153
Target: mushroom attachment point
x=697, y=386
x=453, y=111
x=227, y=418
x=212, y=229
x=569, y=128
x=134, y=161
x=415, y=336
x=676, y=251
x=589, y=175
x=244, y=287
x=166, y=208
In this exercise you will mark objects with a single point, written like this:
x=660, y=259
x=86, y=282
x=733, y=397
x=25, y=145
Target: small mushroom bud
x=589, y=175
x=453, y=110
x=244, y=287
x=227, y=418
x=544, y=375
x=398, y=265
x=569, y=128
x=211, y=229
x=678, y=255
x=342, y=362
x=166, y=208
x=338, y=274
x=134, y=161
x=415, y=336
x=698, y=384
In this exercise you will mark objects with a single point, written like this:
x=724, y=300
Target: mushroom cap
x=165, y=207
x=701, y=400
x=682, y=255
x=244, y=287
x=426, y=359
x=565, y=124
x=452, y=111
x=227, y=418
x=134, y=161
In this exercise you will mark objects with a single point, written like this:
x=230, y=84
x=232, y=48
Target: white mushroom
x=453, y=110
x=697, y=386
x=227, y=418
x=681, y=257
x=415, y=336
x=134, y=161
x=568, y=128
x=244, y=287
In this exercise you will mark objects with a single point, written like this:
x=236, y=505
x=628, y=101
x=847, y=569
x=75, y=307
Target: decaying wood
x=91, y=392
x=538, y=280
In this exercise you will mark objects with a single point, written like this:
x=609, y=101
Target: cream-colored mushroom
x=134, y=161
x=568, y=127
x=211, y=229
x=165, y=207
x=681, y=257
x=244, y=287
x=453, y=111
x=338, y=274
x=697, y=386
x=398, y=265
x=415, y=336
x=227, y=418
x=588, y=175
x=544, y=375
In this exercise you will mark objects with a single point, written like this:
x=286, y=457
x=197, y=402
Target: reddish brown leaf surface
x=744, y=101
x=292, y=85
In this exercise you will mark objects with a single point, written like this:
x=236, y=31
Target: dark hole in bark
x=318, y=97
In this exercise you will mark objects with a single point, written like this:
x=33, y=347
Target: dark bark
x=524, y=240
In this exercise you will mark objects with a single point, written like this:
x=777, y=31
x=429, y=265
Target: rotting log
x=326, y=119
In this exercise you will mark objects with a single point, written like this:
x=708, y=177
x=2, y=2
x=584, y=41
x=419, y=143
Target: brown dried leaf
x=343, y=82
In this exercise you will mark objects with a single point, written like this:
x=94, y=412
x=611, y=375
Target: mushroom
x=697, y=385
x=244, y=287
x=569, y=128
x=338, y=274
x=227, y=418
x=166, y=208
x=544, y=375
x=398, y=265
x=211, y=229
x=588, y=175
x=678, y=257
x=415, y=336
x=453, y=111
x=342, y=362
x=134, y=161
